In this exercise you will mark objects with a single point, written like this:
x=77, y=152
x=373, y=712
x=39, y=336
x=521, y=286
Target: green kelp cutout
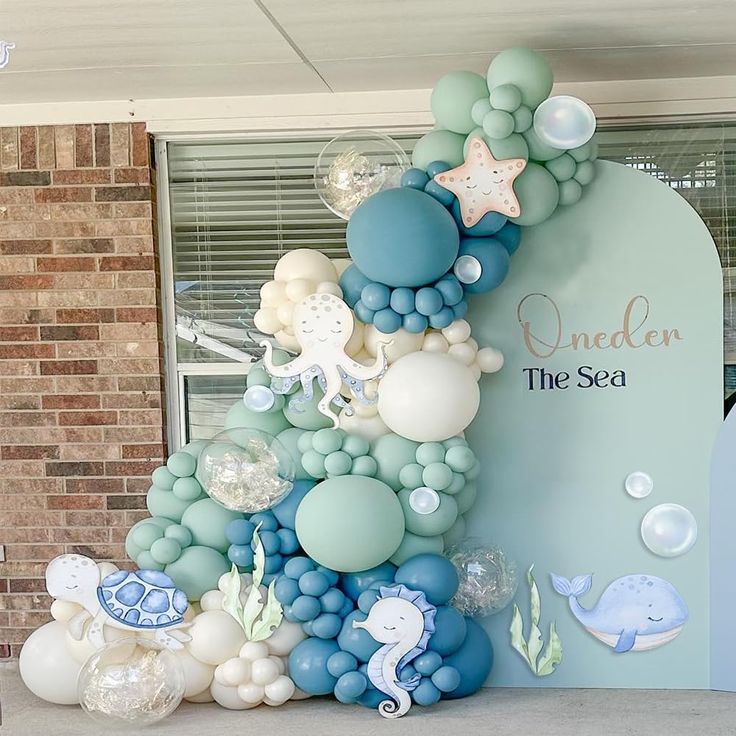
x=531, y=649
x=258, y=620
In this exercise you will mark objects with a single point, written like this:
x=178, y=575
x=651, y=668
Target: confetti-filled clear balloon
x=355, y=165
x=669, y=530
x=564, y=122
x=424, y=500
x=488, y=577
x=246, y=470
x=638, y=484
x=131, y=683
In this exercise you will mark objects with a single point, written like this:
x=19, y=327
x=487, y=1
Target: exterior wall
x=81, y=419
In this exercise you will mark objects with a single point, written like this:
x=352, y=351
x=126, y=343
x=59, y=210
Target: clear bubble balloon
x=467, y=269
x=131, y=683
x=488, y=577
x=424, y=500
x=638, y=484
x=259, y=398
x=355, y=165
x=564, y=122
x=246, y=470
x=669, y=530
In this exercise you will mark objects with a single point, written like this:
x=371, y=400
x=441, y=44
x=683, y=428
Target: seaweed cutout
x=531, y=648
x=258, y=620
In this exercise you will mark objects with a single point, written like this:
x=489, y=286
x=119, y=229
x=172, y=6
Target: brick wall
x=81, y=423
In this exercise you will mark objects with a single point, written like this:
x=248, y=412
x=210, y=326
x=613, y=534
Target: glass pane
x=207, y=400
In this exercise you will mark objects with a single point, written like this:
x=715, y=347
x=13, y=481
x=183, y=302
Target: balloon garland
x=300, y=551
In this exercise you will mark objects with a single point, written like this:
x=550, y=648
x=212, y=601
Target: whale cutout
x=635, y=613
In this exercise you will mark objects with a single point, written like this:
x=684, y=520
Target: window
x=237, y=206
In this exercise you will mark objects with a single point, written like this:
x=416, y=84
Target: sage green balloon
x=522, y=119
x=466, y=498
x=538, y=150
x=513, y=146
x=584, y=173
x=207, y=521
x=239, y=416
x=308, y=416
x=570, y=192
x=438, y=145
x=456, y=533
x=289, y=439
x=164, y=503
x=584, y=152
x=144, y=533
x=524, y=68
x=429, y=525
x=181, y=464
x=350, y=523
x=195, y=447
x=413, y=545
x=562, y=167
x=479, y=110
x=505, y=97
x=498, y=124
x=453, y=98
x=391, y=452
x=538, y=195
x=197, y=570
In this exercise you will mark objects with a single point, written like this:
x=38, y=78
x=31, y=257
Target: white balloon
x=106, y=568
x=435, y=342
x=285, y=638
x=272, y=293
x=82, y=649
x=669, y=530
x=490, y=360
x=233, y=672
x=341, y=265
x=305, y=263
x=64, y=610
x=47, y=667
x=369, y=427
x=428, y=397
x=564, y=122
x=204, y=697
x=216, y=637
x=197, y=675
x=253, y=650
x=284, y=312
x=475, y=368
x=264, y=671
x=267, y=321
x=251, y=693
x=402, y=342
x=228, y=697
x=212, y=600
x=298, y=289
x=287, y=340
x=355, y=343
x=458, y=331
x=280, y=690
x=463, y=352
x=329, y=287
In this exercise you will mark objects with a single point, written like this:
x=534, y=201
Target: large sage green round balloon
x=239, y=415
x=538, y=149
x=289, y=438
x=513, y=146
x=526, y=69
x=538, y=195
x=207, y=520
x=197, y=570
x=350, y=523
x=307, y=416
x=562, y=167
x=429, y=525
x=164, y=503
x=413, y=545
x=456, y=533
x=391, y=452
x=452, y=100
x=438, y=145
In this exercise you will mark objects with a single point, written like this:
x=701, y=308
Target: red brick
x=123, y=194
x=64, y=194
x=25, y=283
x=10, y=316
x=74, y=246
x=102, y=145
x=83, y=146
x=136, y=314
x=66, y=264
x=77, y=332
x=139, y=383
x=28, y=148
x=29, y=452
x=18, y=334
x=132, y=176
x=24, y=247
x=140, y=147
x=26, y=350
x=85, y=316
x=71, y=401
x=128, y=501
x=27, y=585
x=81, y=176
x=76, y=502
x=147, y=451
x=87, y=418
x=131, y=467
x=68, y=367
x=126, y=263
x=57, y=469
x=94, y=485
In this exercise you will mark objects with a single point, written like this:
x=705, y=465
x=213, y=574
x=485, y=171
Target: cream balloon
x=64, y=610
x=197, y=675
x=285, y=638
x=463, y=352
x=490, y=360
x=233, y=672
x=369, y=427
x=402, y=342
x=228, y=697
x=298, y=289
x=204, y=697
x=304, y=263
x=341, y=265
x=288, y=341
x=212, y=600
x=435, y=342
x=272, y=293
x=457, y=331
x=47, y=667
x=266, y=320
x=82, y=649
x=279, y=691
x=329, y=287
x=216, y=637
x=428, y=397
x=355, y=343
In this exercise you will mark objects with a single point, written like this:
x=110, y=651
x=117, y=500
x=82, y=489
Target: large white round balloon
x=197, y=675
x=564, y=122
x=401, y=342
x=47, y=667
x=428, y=397
x=285, y=638
x=216, y=637
x=304, y=263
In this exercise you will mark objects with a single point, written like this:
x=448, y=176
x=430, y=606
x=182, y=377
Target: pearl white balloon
x=233, y=672
x=402, y=342
x=280, y=690
x=266, y=320
x=197, y=675
x=463, y=352
x=298, y=289
x=369, y=427
x=304, y=263
x=669, y=530
x=435, y=342
x=228, y=697
x=216, y=637
x=251, y=693
x=284, y=312
x=476, y=371
x=204, y=697
x=564, y=122
x=273, y=293
x=106, y=568
x=253, y=650
x=490, y=360
x=457, y=331
x=47, y=667
x=259, y=398
x=285, y=638
x=428, y=397
x=329, y=287
x=264, y=671
x=355, y=343
x=82, y=649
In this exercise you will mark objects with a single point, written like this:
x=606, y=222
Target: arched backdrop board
x=554, y=460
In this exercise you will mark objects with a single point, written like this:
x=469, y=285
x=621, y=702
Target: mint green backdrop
x=554, y=461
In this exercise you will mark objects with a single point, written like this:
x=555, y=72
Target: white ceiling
x=141, y=49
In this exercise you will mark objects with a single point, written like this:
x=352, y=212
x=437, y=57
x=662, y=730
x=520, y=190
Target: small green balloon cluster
x=328, y=453
x=500, y=110
x=174, y=487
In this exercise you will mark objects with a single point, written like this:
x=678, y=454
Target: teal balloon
x=450, y=631
x=584, y=173
x=513, y=146
x=306, y=415
x=479, y=110
x=143, y=534
x=240, y=416
x=163, y=478
x=584, y=152
x=181, y=464
x=523, y=119
x=524, y=68
x=350, y=523
x=505, y=97
x=473, y=660
x=433, y=574
x=197, y=570
x=413, y=545
x=562, y=167
x=538, y=149
x=498, y=124
x=195, y=447
x=453, y=98
x=570, y=192
x=207, y=521
x=456, y=533
x=355, y=583
x=438, y=145
x=466, y=498
x=391, y=452
x=165, y=551
x=538, y=195
x=187, y=489
x=164, y=503
x=429, y=525
x=308, y=666
x=289, y=438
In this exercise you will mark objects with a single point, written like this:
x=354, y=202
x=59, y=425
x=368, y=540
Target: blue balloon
x=474, y=661
x=510, y=237
x=426, y=693
x=451, y=290
x=351, y=686
x=438, y=192
x=460, y=309
x=271, y=543
x=331, y=575
x=285, y=511
x=313, y=583
x=427, y=663
x=446, y=679
x=494, y=260
x=297, y=566
x=287, y=590
x=240, y=531
x=273, y=564
x=267, y=521
x=340, y=663
x=371, y=698
x=308, y=665
x=352, y=283
x=402, y=300
x=489, y=224
x=326, y=626
x=332, y=601
x=305, y=608
x=402, y=237
x=363, y=313
x=288, y=541
x=437, y=167
x=428, y=301
x=387, y=321
x=375, y=296
x=450, y=631
x=415, y=322
x=354, y=583
x=414, y=178
x=357, y=641
x=431, y=573
x=444, y=318
x=367, y=599
x=240, y=555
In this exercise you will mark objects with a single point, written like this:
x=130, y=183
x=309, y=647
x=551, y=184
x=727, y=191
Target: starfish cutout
x=482, y=184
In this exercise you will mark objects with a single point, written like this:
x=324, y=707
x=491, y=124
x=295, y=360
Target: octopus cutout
x=323, y=325
x=482, y=184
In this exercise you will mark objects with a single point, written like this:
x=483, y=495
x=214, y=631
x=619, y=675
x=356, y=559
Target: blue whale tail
x=571, y=588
